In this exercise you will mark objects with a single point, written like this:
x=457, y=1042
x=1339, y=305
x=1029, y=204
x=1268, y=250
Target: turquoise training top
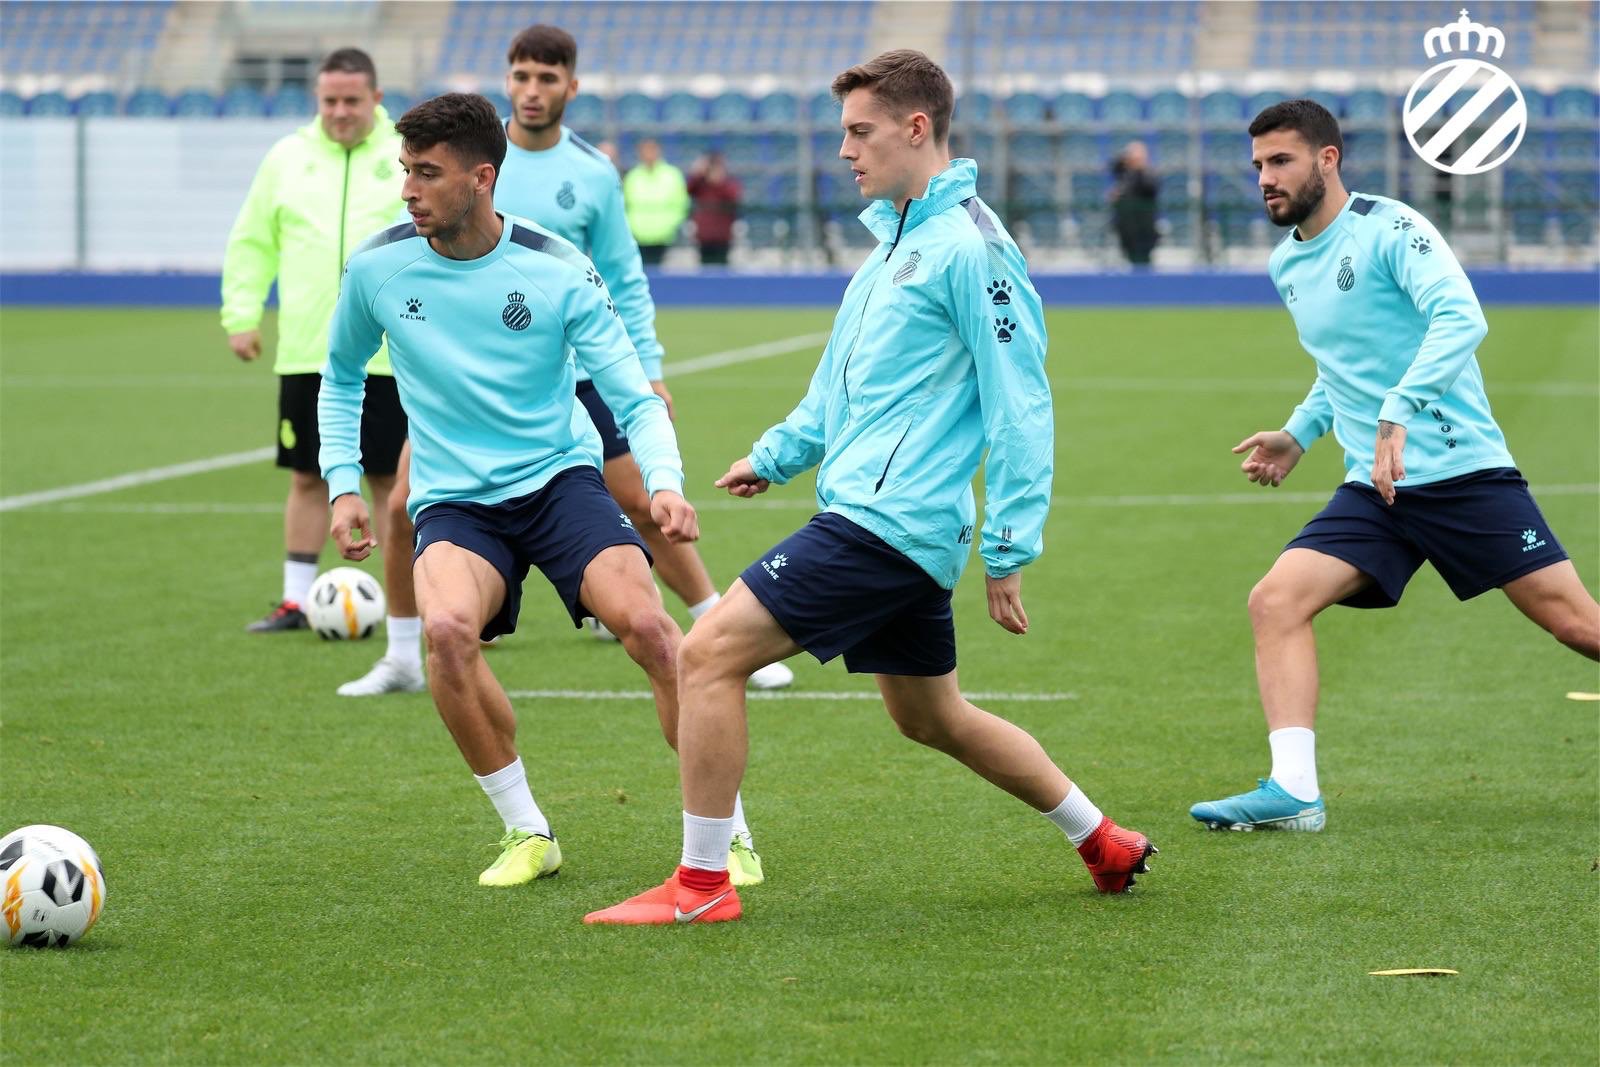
x=1392, y=322
x=483, y=353
x=573, y=190
x=937, y=353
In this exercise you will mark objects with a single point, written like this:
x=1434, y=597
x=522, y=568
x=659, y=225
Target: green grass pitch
x=292, y=874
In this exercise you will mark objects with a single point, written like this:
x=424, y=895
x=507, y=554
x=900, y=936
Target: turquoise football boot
x=1267, y=807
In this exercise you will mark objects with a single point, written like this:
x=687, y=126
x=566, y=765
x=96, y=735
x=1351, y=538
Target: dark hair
x=1307, y=118
x=466, y=122
x=544, y=44
x=905, y=80
x=350, y=61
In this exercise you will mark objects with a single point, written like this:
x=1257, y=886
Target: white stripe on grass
x=871, y=695
x=696, y=365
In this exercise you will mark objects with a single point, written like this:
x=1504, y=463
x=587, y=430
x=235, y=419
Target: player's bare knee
x=1578, y=633
x=452, y=640
x=306, y=481
x=705, y=653
x=1273, y=606
x=647, y=633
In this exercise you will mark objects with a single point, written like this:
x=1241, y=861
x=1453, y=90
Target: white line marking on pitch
x=781, y=694
x=798, y=502
x=747, y=354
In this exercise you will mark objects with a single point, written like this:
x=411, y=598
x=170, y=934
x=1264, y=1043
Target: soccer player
x=481, y=312
x=320, y=192
x=937, y=353
x=558, y=180
x=1393, y=325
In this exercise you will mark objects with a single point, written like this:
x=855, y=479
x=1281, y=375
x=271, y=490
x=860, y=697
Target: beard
x=1301, y=205
x=552, y=117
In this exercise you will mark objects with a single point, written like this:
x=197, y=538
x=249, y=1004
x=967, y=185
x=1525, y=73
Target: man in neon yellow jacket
x=320, y=192
x=657, y=201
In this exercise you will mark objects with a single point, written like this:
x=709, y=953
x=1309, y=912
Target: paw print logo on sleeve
x=593, y=279
x=999, y=292
x=1420, y=245
x=1004, y=329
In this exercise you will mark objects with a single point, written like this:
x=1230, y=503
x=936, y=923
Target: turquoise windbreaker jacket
x=937, y=354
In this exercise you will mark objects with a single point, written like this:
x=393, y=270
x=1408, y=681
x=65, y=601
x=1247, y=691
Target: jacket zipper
x=344, y=200
x=844, y=372
x=904, y=434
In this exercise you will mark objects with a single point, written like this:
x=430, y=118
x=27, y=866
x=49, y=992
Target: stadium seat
x=1367, y=105
x=194, y=103
x=243, y=100
x=823, y=110
x=1081, y=150
x=291, y=101
x=1025, y=108
x=634, y=109
x=1573, y=103
x=777, y=108
x=1120, y=107
x=95, y=104
x=1036, y=149
x=397, y=103
x=683, y=109
x=731, y=109
x=975, y=107
x=147, y=103
x=50, y=105
x=1072, y=109
x=1221, y=108
x=1169, y=108
x=586, y=112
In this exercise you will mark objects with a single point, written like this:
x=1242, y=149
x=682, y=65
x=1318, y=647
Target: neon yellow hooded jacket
x=312, y=204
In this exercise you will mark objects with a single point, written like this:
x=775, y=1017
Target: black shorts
x=611, y=439
x=1479, y=531
x=837, y=588
x=560, y=529
x=383, y=424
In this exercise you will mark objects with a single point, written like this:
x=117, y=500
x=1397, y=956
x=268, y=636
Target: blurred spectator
x=716, y=194
x=657, y=202
x=609, y=150
x=1133, y=203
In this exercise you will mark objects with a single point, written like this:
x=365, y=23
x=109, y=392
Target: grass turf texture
x=291, y=874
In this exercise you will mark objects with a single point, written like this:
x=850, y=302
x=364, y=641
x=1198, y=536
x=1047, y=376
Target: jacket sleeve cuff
x=342, y=480
x=1000, y=570
x=240, y=321
x=1396, y=409
x=764, y=469
x=1303, y=428
x=664, y=480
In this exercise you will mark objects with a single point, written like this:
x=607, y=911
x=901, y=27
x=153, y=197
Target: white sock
x=697, y=610
x=705, y=842
x=741, y=829
x=297, y=579
x=1294, y=761
x=405, y=639
x=1076, y=816
x=508, y=789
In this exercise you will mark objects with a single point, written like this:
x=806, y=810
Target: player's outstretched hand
x=674, y=517
x=742, y=480
x=352, y=527
x=1005, y=602
x=1388, y=459
x=247, y=345
x=661, y=390
x=1273, y=454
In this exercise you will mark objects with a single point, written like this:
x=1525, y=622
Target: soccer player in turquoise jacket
x=484, y=314
x=1392, y=323
x=936, y=355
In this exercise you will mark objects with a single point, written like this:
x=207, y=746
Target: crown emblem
x=516, y=298
x=1490, y=41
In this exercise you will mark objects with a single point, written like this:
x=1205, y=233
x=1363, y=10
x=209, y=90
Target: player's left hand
x=1388, y=459
x=674, y=517
x=1005, y=602
x=661, y=390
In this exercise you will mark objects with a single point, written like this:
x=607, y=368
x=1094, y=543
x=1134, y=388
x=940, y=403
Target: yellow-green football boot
x=744, y=866
x=523, y=857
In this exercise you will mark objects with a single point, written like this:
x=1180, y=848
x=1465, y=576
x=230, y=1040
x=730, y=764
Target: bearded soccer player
x=482, y=313
x=1393, y=325
x=937, y=354
x=555, y=178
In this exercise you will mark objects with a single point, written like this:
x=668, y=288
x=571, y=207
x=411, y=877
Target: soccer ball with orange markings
x=345, y=604
x=52, y=888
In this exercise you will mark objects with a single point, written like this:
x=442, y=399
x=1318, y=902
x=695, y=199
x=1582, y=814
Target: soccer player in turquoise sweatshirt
x=483, y=315
x=1392, y=323
x=937, y=354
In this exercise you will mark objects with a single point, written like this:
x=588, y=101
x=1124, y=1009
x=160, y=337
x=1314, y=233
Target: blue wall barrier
x=730, y=289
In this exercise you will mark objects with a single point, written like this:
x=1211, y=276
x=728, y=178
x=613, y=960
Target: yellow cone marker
x=1583, y=696
x=1412, y=972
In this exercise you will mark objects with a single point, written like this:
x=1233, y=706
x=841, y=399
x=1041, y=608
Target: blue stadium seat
x=586, y=112
x=95, y=104
x=397, y=103
x=147, y=103
x=1261, y=101
x=1222, y=108
x=1571, y=146
x=1573, y=103
x=634, y=109
x=50, y=105
x=1170, y=150
x=731, y=109
x=683, y=109
x=194, y=103
x=243, y=100
x=1081, y=150
x=1120, y=106
x=1032, y=149
x=1089, y=190
x=1169, y=108
x=823, y=110
x=1026, y=108
x=11, y=104
x=291, y=101
x=1367, y=105
x=975, y=107
x=777, y=107
x=1031, y=191
x=1072, y=109
x=1174, y=189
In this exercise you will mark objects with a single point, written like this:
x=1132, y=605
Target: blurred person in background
x=1133, y=203
x=716, y=195
x=657, y=200
x=318, y=194
x=609, y=150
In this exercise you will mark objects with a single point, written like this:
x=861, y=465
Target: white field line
x=869, y=695
x=733, y=356
x=804, y=502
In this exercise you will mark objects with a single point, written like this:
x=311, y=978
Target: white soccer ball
x=51, y=886
x=346, y=604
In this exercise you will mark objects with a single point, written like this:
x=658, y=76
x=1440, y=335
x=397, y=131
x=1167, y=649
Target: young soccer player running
x=480, y=311
x=1393, y=325
x=558, y=180
x=937, y=353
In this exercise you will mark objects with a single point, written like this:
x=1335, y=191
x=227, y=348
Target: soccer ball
x=51, y=886
x=346, y=604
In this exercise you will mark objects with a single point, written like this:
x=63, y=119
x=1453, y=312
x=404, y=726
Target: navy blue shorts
x=836, y=588
x=613, y=443
x=1479, y=531
x=560, y=529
